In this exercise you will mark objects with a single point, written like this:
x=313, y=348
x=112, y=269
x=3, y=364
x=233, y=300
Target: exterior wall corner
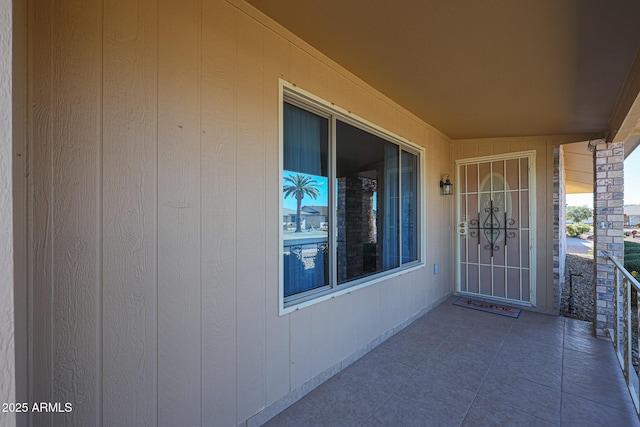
x=7, y=305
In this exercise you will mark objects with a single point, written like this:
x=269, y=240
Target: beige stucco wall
x=153, y=215
x=544, y=147
x=7, y=322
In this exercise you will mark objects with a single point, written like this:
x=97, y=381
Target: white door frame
x=531, y=156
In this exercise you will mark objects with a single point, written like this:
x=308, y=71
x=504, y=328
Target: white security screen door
x=494, y=228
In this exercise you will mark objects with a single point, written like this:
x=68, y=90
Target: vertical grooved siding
x=129, y=213
x=219, y=212
x=8, y=330
x=179, y=213
x=153, y=216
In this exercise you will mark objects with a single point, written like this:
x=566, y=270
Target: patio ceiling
x=484, y=69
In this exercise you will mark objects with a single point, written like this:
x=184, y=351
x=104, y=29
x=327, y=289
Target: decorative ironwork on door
x=494, y=200
x=492, y=229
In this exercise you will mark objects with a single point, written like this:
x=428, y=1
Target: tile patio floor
x=456, y=366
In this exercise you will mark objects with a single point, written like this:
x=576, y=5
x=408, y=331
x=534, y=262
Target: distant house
x=631, y=214
x=316, y=216
x=312, y=216
x=288, y=218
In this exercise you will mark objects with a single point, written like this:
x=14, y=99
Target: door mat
x=489, y=307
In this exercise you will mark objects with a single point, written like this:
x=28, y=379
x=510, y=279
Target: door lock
x=462, y=228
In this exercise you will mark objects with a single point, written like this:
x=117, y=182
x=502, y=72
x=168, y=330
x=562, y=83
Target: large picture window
x=350, y=202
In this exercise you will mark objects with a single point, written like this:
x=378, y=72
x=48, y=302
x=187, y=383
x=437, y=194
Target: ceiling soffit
x=478, y=69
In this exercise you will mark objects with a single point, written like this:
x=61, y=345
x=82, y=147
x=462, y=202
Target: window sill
x=348, y=288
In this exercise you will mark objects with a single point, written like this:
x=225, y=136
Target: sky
x=631, y=184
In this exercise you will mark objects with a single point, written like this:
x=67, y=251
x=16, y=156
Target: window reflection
x=305, y=220
x=367, y=203
x=374, y=188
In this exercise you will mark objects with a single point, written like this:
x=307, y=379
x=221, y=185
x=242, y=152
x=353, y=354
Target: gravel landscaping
x=579, y=303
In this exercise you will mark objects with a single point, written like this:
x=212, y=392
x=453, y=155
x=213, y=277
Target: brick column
x=608, y=219
x=349, y=239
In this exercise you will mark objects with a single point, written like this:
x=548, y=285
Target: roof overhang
x=578, y=160
x=484, y=69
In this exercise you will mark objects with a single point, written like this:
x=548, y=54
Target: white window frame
x=292, y=94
